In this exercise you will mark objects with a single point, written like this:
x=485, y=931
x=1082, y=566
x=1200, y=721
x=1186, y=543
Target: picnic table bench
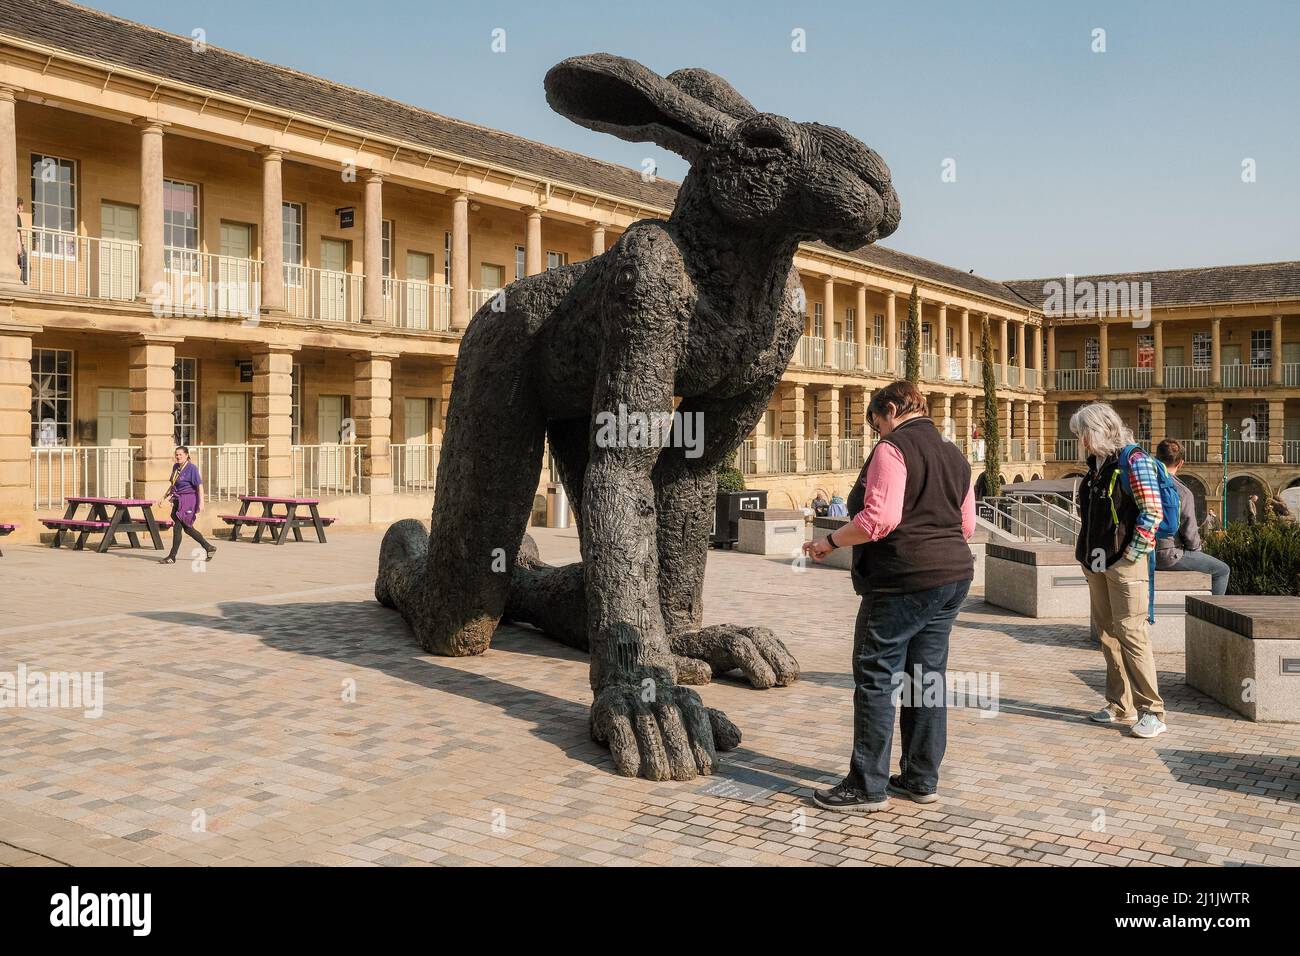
x=7, y=529
x=98, y=521
x=280, y=525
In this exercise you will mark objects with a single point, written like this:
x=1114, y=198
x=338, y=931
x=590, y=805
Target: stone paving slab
x=266, y=710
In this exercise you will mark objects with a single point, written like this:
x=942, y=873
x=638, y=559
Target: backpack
x=1170, y=507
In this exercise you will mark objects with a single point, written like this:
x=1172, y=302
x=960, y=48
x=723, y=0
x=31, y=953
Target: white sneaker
x=1148, y=725
x=1107, y=716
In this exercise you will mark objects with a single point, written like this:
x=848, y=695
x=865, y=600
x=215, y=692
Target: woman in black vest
x=913, y=511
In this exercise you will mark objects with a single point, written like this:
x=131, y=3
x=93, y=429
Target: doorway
x=235, y=269
x=333, y=280
x=119, y=235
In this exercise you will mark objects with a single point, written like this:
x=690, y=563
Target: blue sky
x=1067, y=160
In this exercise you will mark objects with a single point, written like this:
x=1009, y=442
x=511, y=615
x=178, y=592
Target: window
x=1092, y=353
x=1144, y=423
x=491, y=277
x=180, y=226
x=1146, y=350
x=1259, y=412
x=1261, y=348
x=947, y=345
x=521, y=262
x=1202, y=349
x=185, y=430
x=446, y=258
x=877, y=330
x=556, y=259
x=295, y=405
x=386, y=248
x=51, y=396
x=819, y=320
x=292, y=242
x=850, y=319
x=54, y=206
x=927, y=339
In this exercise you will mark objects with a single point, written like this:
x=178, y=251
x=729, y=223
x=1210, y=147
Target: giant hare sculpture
x=704, y=307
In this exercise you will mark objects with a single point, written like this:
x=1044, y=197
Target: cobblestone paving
x=267, y=711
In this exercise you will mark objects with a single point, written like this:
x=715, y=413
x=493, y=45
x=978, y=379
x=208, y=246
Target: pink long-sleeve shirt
x=884, y=484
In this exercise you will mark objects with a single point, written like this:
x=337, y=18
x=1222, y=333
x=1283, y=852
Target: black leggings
x=178, y=528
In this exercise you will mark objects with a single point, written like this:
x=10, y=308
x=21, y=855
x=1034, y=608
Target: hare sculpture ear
x=714, y=90
x=615, y=95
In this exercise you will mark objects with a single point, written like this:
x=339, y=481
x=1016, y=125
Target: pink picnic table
x=98, y=521
x=280, y=525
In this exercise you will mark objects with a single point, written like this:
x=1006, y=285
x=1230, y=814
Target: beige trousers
x=1119, y=609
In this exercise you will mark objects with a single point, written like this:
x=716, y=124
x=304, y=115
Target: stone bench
x=1035, y=579
x=770, y=531
x=1173, y=588
x=842, y=557
x=1244, y=651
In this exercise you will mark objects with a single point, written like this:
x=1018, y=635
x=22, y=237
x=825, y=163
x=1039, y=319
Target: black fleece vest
x=1100, y=534
x=927, y=549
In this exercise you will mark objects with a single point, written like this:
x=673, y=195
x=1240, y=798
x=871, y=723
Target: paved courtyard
x=265, y=710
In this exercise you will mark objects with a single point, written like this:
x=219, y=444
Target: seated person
x=1183, y=551
x=820, y=505
x=837, y=508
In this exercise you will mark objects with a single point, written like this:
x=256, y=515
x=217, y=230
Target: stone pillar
x=1103, y=359
x=1004, y=354
x=941, y=349
x=1005, y=421
x=272, y=230
x=1214, y=431
x=760, y=437
x=444, y=393
x=15, y=419
x=858, y=398
x=1038, y=356
x=1021, y=358
x=1049, y=413
x=1036, y=429
x=828, y=411
x=947, y=427
x=272, y=419
x=373, y=251
x=597, y=239
x=152, y=274
x=792, y=417
x=1275, y=370
x=860, y=327
x=1158, y=360
x=891, y=334
x=533, y=242
x=373, y=411
x=961, y=426
x=1216, y=360
x=828, y=322
x=1159, y=426
x=1276, y=418
x=965, y=346
x=151, y=423
x=1024, y=426
x=10, y=277
x=460, y=315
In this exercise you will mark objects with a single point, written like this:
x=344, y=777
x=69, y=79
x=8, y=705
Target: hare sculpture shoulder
x=704, y=307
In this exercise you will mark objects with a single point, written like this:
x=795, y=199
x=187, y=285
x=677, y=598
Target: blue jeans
x=1200, y=561
x=896, y=634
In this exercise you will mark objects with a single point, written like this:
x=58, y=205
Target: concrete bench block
x=770, y=531
x=1173, y=588
x=841, y=557
x=1037, y=580
x=1244, y=651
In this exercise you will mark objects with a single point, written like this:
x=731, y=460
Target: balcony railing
x=1032, y=379
x=415, y=468
x=811, y=352
x=877, y=359
x=929, y=366
x=1187, y=376
x=228, y=470
x=746, y=459
x=203, y=284
x=843, y=355
x=1243, y=376
x=410, y=304
x=1242, y=452
x=1291, y=373
x=480, y=297
x=1067, y=449
x=58, y=471
x=851, y=453
x=780, y=456
x=1076, y=379
x=1131, y=379
x=816, y=455
x=64, y=263
x=1013, y=376
x=323, y=295
x=1291, y=451
x=326, y=470
x=1194, y=450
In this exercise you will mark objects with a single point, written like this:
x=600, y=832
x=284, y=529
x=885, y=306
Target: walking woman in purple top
x=185, y=494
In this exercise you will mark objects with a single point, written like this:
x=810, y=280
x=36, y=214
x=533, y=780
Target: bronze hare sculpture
x=701, y=313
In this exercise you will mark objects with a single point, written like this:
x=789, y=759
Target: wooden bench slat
x=73, y=523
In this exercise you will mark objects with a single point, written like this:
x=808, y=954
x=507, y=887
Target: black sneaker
x=897, y=788
x=847, y=799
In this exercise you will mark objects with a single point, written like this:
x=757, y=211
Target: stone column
x=1024, y=426
x=1276, y=419
x=373, y=250
x=151, y=423
x=828, y=321
x=152, y=275
x=1038, y=356
x=373, y=410
x=460, y=315
x=947, y=427
x=828, y=411
x=1158, y=360
x=533, y=242
x=1159, y=421
x=15, y=419
x=10, y=277
x=1214, y=431
x=1051, y=358
x=966, y=371
x=860, y=327
x=1048, y=413
x=1004, y=354
x=597, y=239
x=792, y=416
x=1103, y=359
x=1275, y=370
x=444, y=393
x=272, y=230
x=858, y=398
x=1021, y=358
x=965, y=407
x=941, y=349
x=891, y=334
x=1216, y=360
x=1036, y=430
x=759, y=437
x=1005, y=421
x=272, y=419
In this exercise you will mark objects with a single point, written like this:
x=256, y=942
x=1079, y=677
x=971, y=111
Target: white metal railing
x=929, y=366
x=1291, y=451
x=1013, y=376
x=1187, y=376
x=64, y=263
x=1067, y=449
x=202, y=284
x=877, y=359
x=1031, y=449
x=1076, y=379
x=323, y=294
x=851, y=453
x=480, y=297
x=1131, y=378
x=1032, y=379
x=1032, y=517
x=1243, y=376
x=978, y=450
x=816, y=454
x=1195, y=451
x=326, y=470
x=228, y=471
x=58, y=471
x=812, y=351
x=1242, y=452
x=411, y=304
x=415, y=468
x=780, y=456
x=745, y=458
x=844, y=355
x=1291, y=373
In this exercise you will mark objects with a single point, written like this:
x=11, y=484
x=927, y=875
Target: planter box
x=1244, y=652
x=726, y=514
x=1037, y=580
x=771, y=531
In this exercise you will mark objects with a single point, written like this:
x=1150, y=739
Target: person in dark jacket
x=913, y=511
x=1183, y=552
